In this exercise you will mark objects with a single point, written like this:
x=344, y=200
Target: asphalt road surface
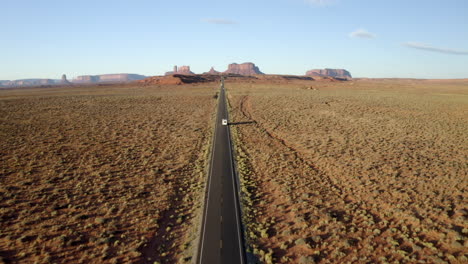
x=221, y=236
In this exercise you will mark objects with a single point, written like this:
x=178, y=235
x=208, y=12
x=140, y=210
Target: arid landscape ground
x=108, y=174
x=360, y=171
x=364, y=171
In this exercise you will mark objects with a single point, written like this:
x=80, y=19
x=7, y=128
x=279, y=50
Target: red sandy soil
x=108, y=174
x=178, y=79
x=367, y=171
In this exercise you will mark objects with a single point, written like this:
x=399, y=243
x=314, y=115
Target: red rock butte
x=335, y=73
x=247, y=68
x=212, y=71
x=180, y=70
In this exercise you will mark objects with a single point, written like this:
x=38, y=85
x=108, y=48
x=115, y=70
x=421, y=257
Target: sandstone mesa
x=335, y=73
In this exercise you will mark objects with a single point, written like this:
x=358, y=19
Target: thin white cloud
x=423, y=46
x=361, y=33
x=319, y=2
x=219, y=21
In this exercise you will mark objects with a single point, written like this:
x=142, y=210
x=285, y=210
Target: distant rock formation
x=27, y=82
x=335, y=73
x=108, y=78
x=64, y=80
x=86, y=79
x=247, y=68
x=178, y=79
x=184, y=70
x=180, y=70
x=212, y=72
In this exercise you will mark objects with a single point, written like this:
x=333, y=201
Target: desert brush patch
x=103, y=174
x=364, y=171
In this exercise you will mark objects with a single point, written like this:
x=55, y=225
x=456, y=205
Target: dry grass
x=110, y=174
x=368, y=171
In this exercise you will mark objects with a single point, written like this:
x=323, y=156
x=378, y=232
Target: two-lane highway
x=221, y=235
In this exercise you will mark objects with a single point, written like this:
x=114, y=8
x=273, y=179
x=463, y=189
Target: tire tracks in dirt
x=245, y=108
x=331, y=200
x=336, y=189
x=176, y=222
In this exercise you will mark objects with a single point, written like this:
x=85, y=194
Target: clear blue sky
x=370, y=38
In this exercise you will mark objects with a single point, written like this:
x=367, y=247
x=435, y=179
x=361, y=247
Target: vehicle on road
x=224, y=122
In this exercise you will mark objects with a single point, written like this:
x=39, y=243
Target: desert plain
x=359, y=171
x=102, y=174
x=363, y=171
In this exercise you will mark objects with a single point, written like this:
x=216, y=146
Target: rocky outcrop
x=178, y=79
x=28, y=82
x=283, y=78
x=64, y=80
x=335, y=73
x=247, y=68
x=212, y=72
x=108, y=78
x=185, y=70
x=84, y=79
